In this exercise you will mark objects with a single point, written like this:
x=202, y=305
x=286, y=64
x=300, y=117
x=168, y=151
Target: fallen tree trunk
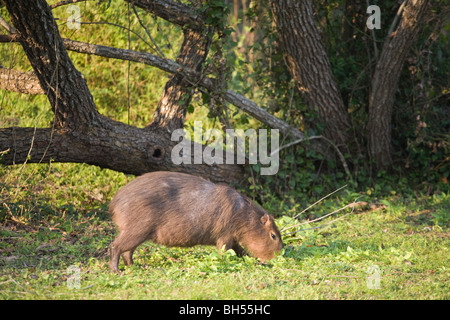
x=109, y=144
x=79, y=132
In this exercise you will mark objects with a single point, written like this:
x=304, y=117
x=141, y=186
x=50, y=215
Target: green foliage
x=127, y=92
x=420, y=122
x=246, y=57
x=216, y=13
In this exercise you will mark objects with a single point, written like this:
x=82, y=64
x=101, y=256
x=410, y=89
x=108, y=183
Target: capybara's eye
x=274, y=237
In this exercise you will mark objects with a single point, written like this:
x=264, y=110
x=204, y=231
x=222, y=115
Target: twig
x=313, y=206
x=374, y=39
x=66, y=2
x=317, y=219
x=7, y=26
x=2, y=283
x=397, y=17
x=340, y=276
x=339, y=153
x=148, y=33
x=112, y=24
x=323, y=225
x=23, y=287
x=21, y=292
x=352, y=205
x=129, y=64
x=294, y=142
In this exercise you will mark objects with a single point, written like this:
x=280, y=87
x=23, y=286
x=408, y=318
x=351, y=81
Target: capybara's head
x=262, y=238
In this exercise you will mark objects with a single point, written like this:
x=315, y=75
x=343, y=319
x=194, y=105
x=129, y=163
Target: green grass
x=55, y=216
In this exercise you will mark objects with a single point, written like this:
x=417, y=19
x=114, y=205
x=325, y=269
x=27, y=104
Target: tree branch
x=64, y=3
x=171, y=66
x=178, y=91
x=174, y=12
x=6, y=26
x=112, y=145
x=24, y=82
x=397, y=18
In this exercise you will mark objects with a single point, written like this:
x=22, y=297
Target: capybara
x=181, y=210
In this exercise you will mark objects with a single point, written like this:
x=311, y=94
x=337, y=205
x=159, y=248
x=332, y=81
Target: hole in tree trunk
x=156, y=153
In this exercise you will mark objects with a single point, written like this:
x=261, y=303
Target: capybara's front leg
x=228, y=243
x=239, y=250
x=231, y=244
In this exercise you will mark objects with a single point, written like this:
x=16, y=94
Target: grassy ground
x=55, y=231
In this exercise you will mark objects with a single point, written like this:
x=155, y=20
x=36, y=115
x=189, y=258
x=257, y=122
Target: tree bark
x=66, y=89
x=24, y=82
x=309, y=65
x=111, y=145
x=385, y=82
x=79, y=132
x=174, y=12
x=177, y=95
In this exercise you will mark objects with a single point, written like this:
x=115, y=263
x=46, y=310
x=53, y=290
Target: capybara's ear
x=264, y=218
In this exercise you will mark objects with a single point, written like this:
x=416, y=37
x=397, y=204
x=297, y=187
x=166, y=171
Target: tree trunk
x=65, y=87
x=177, y=94
x=385, y=82
x=309, y=65
x=80, y=133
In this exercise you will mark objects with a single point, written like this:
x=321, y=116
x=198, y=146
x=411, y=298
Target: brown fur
x=177, y=209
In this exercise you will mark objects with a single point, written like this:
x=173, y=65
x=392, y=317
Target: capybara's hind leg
x=124, y=245
x=128, y=257
x=118, y=246
x=115, y=255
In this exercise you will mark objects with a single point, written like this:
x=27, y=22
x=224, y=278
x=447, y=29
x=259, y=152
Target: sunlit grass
x=56, y=217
